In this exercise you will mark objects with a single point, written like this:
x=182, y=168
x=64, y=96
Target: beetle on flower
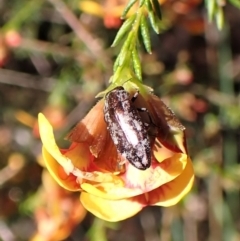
x=91, y=163
x=127, y=129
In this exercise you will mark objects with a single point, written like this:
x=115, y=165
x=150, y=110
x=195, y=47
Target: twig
x=92, y=43
x=11, y=77
x=10, y=171
x=53, y=49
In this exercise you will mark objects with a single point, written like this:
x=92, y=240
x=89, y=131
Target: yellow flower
x=112, y=191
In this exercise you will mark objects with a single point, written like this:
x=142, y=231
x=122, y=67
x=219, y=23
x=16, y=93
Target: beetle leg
x=121, y=162
x=146, y=124
x=135, y=96
x=142, y=109
x=149, y=116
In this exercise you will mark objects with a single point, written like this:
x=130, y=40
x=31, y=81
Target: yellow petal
x=160, y=152
x=172, y=192
x=91, y=7
x=47, y=137
x=59, y=165
x=68, y=181
x=136, y=182
x=110, y=210
x=157, y=175
x=77, y=177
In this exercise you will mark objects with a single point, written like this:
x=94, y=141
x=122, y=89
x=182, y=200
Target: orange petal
x=172, y=192
x=110, y=210
x=61, y=166
x=63, y=169
x=80, y=156
x=92, y=130
x=108, y=157
x=136, y=182
x=77, y=177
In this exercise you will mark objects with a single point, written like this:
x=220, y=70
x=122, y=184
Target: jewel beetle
x=127, y=129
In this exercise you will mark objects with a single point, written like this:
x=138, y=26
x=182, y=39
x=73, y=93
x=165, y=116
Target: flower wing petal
x=136, y=182
x=170, y=132
x=66, y=181
x=59, y=164
x=110, y=210
x=47, y=137
x=157, y=175
x=172, y=192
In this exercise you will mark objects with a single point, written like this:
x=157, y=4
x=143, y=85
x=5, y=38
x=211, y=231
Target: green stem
x=230, y=147
x=123, y=71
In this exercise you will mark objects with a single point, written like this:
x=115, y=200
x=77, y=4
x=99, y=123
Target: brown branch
x=54, y=49
x=11, y=77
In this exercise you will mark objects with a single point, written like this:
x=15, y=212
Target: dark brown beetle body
x=127, y=130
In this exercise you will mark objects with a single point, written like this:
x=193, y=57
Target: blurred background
x=55, y=56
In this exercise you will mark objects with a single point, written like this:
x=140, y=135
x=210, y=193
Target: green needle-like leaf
x=126, y=50
x=116, y=64
x=157, y=8
x=236, y=3
x=123, y=30
x=152, y=16
x=145, y=34
x=136, y=63
x=211, y=7
x=127, y=8
x=154, y=22
x=219, y=18
x=142, y=2
x=149, y=5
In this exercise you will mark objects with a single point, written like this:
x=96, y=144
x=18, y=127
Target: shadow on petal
x=91, y=130
x=160, y=152
x=170, y=131
x=80, y=156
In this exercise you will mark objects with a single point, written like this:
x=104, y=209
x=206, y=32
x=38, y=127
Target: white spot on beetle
x=130, y=133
